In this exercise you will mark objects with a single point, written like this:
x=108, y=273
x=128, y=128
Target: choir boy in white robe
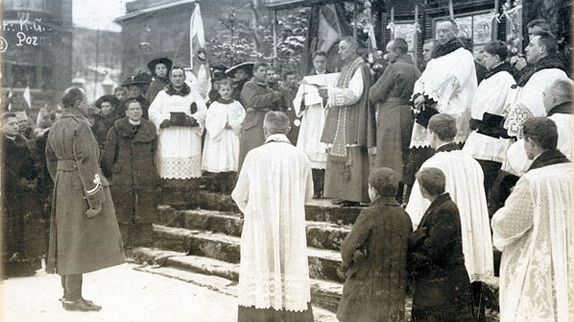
x=487, y=143
x=274, y=183
x=223, y=126
x=310, y=107
x=179, y=144
x=447, y=85
x=534, y=232
x=465, y=184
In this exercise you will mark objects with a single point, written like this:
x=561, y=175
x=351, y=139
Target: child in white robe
x=221, y=147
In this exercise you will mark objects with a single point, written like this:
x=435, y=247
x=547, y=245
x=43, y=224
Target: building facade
x=160, y=28
x=36, y=48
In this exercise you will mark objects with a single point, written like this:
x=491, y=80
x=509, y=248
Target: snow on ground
x=125, y=294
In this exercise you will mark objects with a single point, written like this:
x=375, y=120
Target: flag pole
x=97, y=58
x=355, y=20
x=494, y=21
x=416, y=37
x=274, y=38
x=450, y=10
x=392, y=23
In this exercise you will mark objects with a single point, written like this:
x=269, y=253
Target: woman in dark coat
x=441, y=288
x=109, y=106
x=375, y=256
x=129, y=157
x=160, y=68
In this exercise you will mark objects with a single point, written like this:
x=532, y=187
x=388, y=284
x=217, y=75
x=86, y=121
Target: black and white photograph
x=286, y=161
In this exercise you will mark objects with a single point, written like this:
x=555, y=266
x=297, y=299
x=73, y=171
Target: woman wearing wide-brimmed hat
x=137, y=86
x=109, y=107
x=160, y=68
x=242, y=73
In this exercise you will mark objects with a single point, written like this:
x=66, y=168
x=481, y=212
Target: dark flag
x=327, y=25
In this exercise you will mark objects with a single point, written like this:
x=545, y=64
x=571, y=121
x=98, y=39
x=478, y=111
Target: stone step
x=315, y=209
x=323, y=263
x=323, y=235
x=226, y=222
x=325, y=294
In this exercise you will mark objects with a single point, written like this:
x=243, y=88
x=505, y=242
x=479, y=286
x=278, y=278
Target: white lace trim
x=516, y=119
x=421, y=136
x=179, y=168
x=291, y=293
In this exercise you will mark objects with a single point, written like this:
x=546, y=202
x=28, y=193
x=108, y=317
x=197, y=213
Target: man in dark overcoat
x=391, y=94
x=258, y=98
x=84, y=233
x=22, y=238
x=129, y=160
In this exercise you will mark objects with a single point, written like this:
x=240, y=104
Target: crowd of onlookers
x=456, y=134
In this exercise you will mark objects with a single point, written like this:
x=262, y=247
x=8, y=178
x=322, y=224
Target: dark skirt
x=348, y=180
x=251, y=314
x=394, y=130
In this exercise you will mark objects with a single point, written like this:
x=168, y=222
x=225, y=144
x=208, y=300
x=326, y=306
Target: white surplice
x=312, y=118
x=465, y=184
x=490, y=98
x=221, y=147
x=449, y=80
x=179, y=147
x=526, y=102
x=273, y=185
x=517, y=162
x=564, y=126
x=534, y=232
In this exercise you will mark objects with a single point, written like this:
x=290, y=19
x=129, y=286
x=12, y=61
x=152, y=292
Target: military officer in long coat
x=84, y=233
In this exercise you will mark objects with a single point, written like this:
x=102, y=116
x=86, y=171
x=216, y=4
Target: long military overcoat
x=79, y=244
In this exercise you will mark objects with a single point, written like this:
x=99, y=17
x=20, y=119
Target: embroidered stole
x=339, y=149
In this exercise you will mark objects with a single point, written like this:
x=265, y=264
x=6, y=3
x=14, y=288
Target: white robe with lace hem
x=534, y=232
x=465, y=184
x=273, y=185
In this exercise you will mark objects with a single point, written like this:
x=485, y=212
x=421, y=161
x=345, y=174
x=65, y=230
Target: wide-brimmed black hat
x=222, y=68
x=166, y=61
x=139, y=79
x=108, y=98
x=247, y=66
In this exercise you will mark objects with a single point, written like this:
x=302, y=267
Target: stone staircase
x=202, y=235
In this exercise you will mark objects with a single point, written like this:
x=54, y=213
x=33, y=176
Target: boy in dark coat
x=375, y=256
x=441, y=288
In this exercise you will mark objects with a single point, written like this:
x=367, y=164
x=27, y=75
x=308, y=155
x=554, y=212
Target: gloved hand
x=190, y=121
x=359, y=256
x=165, y=124
x=94, y=210
x=193, y=108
